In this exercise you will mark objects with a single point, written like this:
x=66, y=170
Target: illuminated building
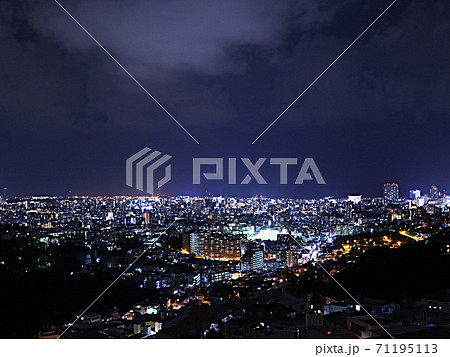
x=286, y=257
x=253, y=261
x=446, y=200
x=190, y=242
x=354, y=198
x=420, y=201
x=266, y=233
x=348, y=210
x=220, y=247
x=434, y=193
x=258, y=260
x=413, y=194
x=196, y=279
x=147, y=218
x=219, y=276
x=48, y=335
x=390, y=191
x=88, y=317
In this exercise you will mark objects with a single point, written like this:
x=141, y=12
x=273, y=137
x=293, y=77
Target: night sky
x=225, y=69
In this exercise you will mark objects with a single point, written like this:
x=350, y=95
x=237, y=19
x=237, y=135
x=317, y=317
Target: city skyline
x=402, y=194
x=215, y=267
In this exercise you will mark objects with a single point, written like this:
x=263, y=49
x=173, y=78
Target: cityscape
x=225, y=177
x=226, y=267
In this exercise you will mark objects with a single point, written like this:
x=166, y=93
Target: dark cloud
x=225, y=69
x=398, y=67
x=154, y=37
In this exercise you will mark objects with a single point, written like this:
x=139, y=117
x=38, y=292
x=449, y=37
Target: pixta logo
x=252, y=169
x=142, y=159
x=145, y=162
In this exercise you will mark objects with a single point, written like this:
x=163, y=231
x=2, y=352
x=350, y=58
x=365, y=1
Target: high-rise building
x=390, y=191
x=186, y=242
x=286, y=257
x=147, y=218
x=190, y=242
x=258, y=260
x=413, y=194
x=348, y=214
x=434, y=193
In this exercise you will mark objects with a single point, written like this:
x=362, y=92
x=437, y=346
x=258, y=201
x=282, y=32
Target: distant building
x=253, y=260
x=348, y=210
x=354, y=198
x=434, y=193
x=420, y=201
x=219, y=276
x=48, y=335
x=190, y=242
x=216, y=246
x=196, y=279
x=147, y=218
x=88, y=317
x=413, y=194
x=446, y=200
x=286, y=257
x=390, y=191
x=258, y=260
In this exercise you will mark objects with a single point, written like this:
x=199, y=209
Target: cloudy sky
x=70, y=116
